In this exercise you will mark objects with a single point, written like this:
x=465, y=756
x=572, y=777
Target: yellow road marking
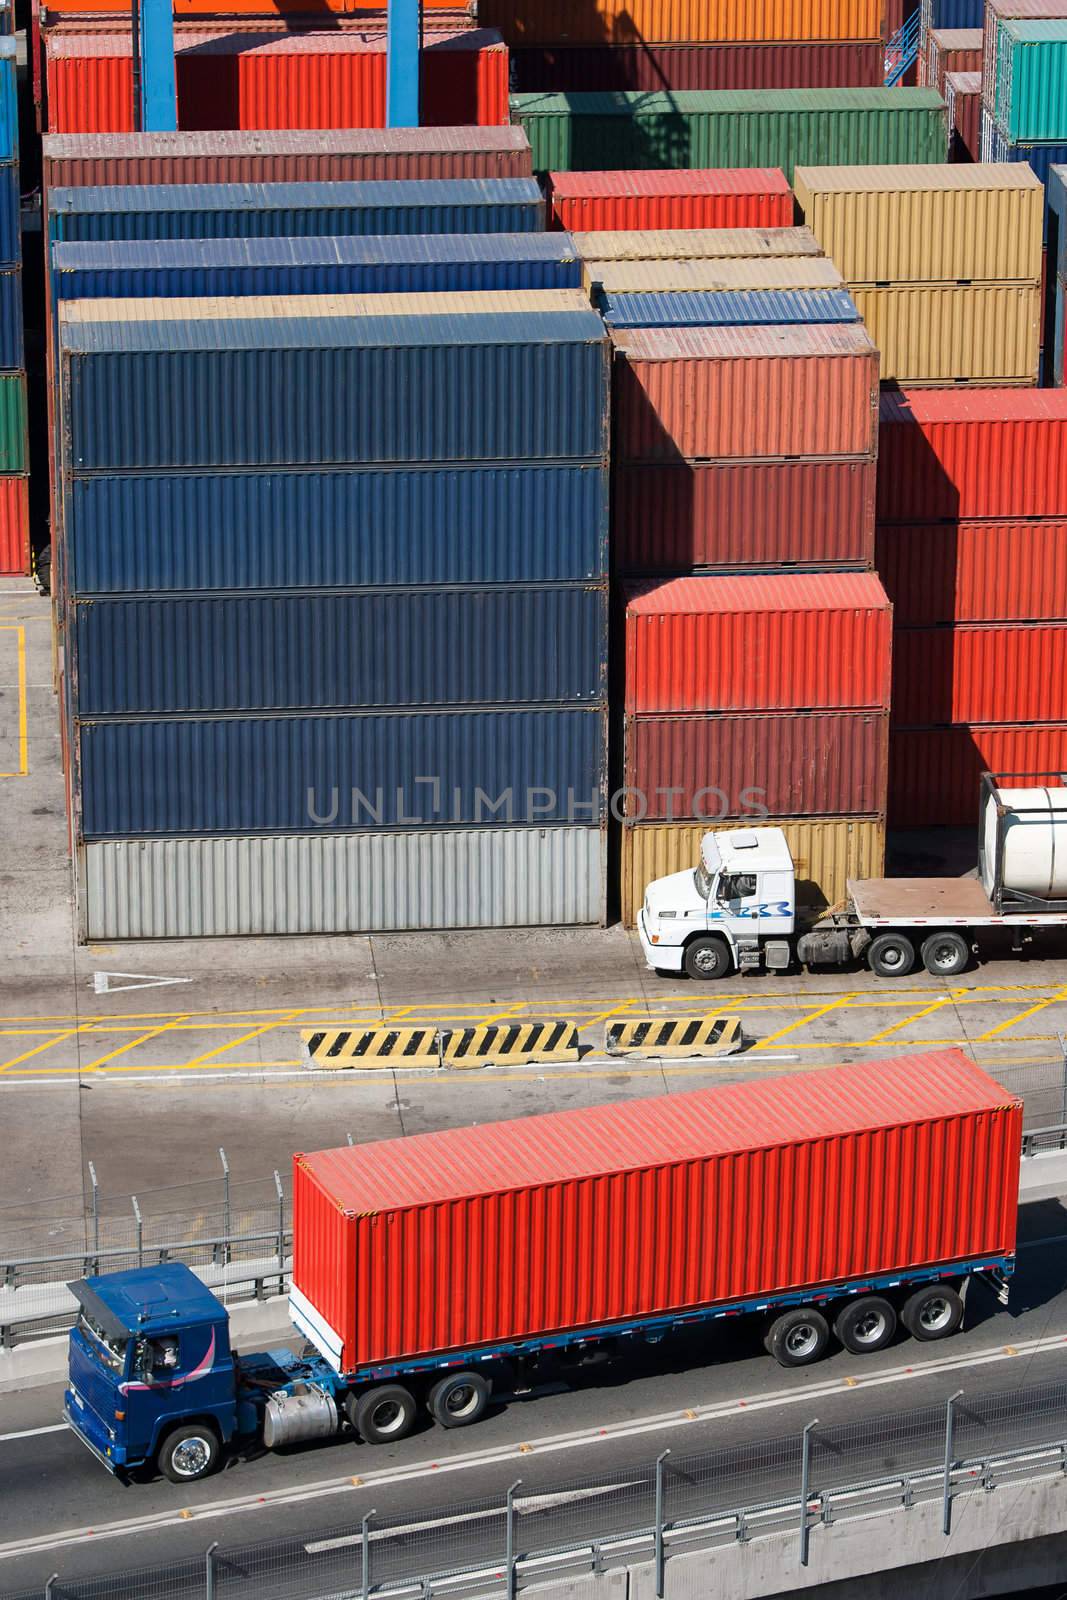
x=23, y=729
x=231, y=1044
x=1002, y=1027
x=916, y=1016
x=801, y=1022
x=131, y=1044
x=47, y=1045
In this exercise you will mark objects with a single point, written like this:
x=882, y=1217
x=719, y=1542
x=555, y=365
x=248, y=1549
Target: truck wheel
x=189, y=1453
x=932, y=1312
x=707, y=958
x=866, y=1324
x=798, y=1337
x=458, y=1400
x=891, y=955
x=381, y=1415
x=945, y=954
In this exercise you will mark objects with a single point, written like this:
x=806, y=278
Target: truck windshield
x=703, y=880
x=112, y=1352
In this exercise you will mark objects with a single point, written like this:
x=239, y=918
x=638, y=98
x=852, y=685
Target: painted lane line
x=102, y=983
x=33, y=1433
x=328, y=1488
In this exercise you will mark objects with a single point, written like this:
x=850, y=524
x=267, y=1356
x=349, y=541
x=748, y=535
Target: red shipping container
x=706, y=197
x=14, y=526
x=980, y=673
x=816, y=641
x=815, y=764
x=952, y=50
x=824, y=64
x=934, y=772
x=356, y=155
x=300, y=80
x=963, y=96
x=745, y=393
x=672, y=517
x=475, y=1236
x=974, y=571
x=962, y=454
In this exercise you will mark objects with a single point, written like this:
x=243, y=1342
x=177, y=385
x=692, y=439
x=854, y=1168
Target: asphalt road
x=60, y=1511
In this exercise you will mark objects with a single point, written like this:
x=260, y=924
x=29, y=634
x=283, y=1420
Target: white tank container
x=1035, y=842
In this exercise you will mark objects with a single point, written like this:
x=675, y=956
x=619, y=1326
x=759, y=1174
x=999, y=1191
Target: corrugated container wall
x=982, y=333
x=808, y=64
x=952, y=50
x=996, y=12
x=974, y=571
x=963, y=97
x=666, y=21
x=934, y=773
x=1029, y=99
x=568, y=1219
x=729, y=308
x=14, y=525
x=758, y=198
x=980, y=673
x=694, y=244
x=748, y=273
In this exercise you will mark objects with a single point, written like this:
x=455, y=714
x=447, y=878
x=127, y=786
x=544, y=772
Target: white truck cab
x=735, y=910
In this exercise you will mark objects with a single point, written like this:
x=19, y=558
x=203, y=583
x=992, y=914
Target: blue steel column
x=155, y=94
x=402, y=67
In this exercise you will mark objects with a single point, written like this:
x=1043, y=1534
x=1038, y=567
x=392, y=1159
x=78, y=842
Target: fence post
x=140, y=1230
x=348, y=1136
x=95, y=1263
x=660, y=1563
x=281, y=1229
x=364, y=1545
x=946, y=1488
x=209, y=1570
x=227, y=1220
x=510, y=1555
x=49, y=1588
x=1061, y=1040
x=805, y=1474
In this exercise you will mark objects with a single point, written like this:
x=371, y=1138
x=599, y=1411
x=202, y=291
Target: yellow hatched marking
x=917, y=1016
x=802, y=1022
x=1002, y=1027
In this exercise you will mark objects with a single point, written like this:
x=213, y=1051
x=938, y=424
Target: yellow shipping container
x=929, y=333
x=324, y=305
x=695, y=244
x=826, y=852
x=681, y=21
x=926, y=224
x=663, y=277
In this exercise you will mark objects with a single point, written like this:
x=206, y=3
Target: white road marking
x=102, y=983
x=852, y=1383
x=33, y=1433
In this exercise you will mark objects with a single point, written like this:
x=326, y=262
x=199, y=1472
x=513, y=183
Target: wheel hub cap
x=801, y=1340
x=191, y=1457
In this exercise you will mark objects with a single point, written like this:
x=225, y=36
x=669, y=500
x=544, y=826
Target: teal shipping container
x=1030, y=88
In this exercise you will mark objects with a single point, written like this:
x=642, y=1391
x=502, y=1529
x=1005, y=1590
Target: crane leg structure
x=402, y=72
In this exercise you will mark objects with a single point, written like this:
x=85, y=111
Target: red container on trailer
x=794, y=641
x=813, y=764
x=934, y=772
x=956, y=454
x=981, y=672
x=578, y=1219
x=14, y=526
x=589, y=202
x=974, y=571
x=298, y=80
x=744, y=393
x=672, y=517
x=818, y=64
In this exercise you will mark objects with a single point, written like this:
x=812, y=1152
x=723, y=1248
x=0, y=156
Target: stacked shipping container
x=1056, y=279
x=972, y=548
x=14, y=462
x=946, y=50
x=1024, y=115
x=963, y=98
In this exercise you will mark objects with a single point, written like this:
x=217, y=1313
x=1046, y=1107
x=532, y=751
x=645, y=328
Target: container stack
x=679, y=200
x=972, y=548
x=948, y=50
x=14, y=459
x=1024, y=83
x=1055, y=368
x=963, y=98
x=935, y=15
x=944, y=263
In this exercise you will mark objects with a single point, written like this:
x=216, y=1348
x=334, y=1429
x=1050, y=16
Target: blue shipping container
x=10, y=232
x=1056, y=220
x=9, y=108
x=729, y=308
x=295, y=774
x=296, y=391
x=953, y=13
x=402, y=264
x=323, y=652
x=334, y=530
x=1041, y=158
x=291, y=210
x=12, y=358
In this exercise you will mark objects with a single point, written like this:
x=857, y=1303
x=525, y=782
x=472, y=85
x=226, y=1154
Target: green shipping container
x=1030, y=86
x=733, y=128
x=13, y=449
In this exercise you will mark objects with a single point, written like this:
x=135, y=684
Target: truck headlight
x=665, y=914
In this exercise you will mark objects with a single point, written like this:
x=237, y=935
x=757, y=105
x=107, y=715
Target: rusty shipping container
x=76, y=161
x=671, y=21
x=985, y=333
x=301, y=80
x=749, y=197
x=944, y=572
x=758, y=643
x=934, y=773
x=826, y=852
x=672, y=517
x=980, y=672
x=582, y=1218
x=809, y=64
x=951, y=454
x=722, y=393
x=812, y=764
x=963, y=97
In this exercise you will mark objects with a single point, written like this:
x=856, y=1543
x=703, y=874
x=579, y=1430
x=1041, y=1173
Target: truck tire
x=933, y=1312
x=458, y=1399
x=945, y=954
x=798, y=1337
x=707, y=957
x=189, y=1452
x=865, y=1325
x=383, y=1414
x=891, y=955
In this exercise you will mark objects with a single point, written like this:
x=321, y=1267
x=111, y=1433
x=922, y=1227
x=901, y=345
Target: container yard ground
x=87, y=1051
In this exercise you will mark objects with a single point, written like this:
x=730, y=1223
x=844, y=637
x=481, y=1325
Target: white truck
x=736, y=911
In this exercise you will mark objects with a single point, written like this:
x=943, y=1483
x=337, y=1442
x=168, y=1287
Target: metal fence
x=796, y=1484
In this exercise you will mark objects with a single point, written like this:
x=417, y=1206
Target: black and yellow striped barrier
x=676, y=1036
x=370, y=1047
x=509, y=1044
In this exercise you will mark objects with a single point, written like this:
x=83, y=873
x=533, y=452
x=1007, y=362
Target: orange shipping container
x=805, y=642
x=14, y=526
x=980, y=673
x=737, y=393
x=974, y=571
x=934, y=773
x=682, y=21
